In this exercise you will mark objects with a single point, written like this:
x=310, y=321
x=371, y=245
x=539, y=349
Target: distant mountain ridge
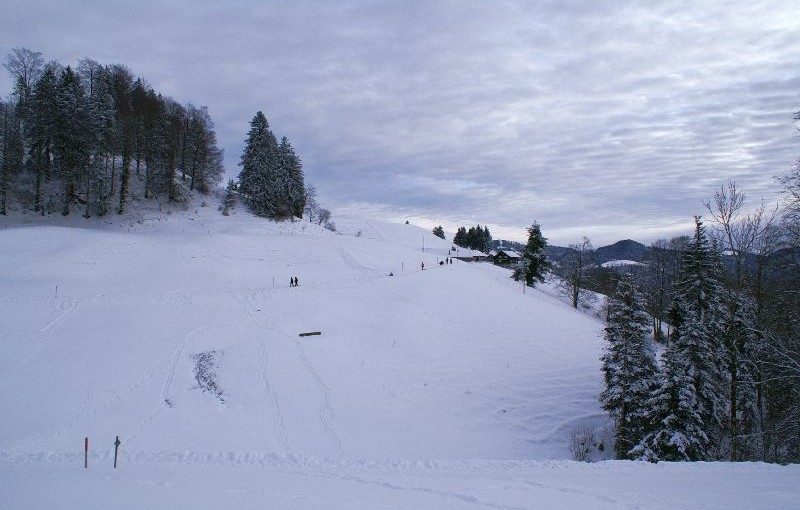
x=784, y=259
x=621, y=250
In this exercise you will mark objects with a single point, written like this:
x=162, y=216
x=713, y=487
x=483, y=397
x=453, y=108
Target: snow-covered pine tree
x=289, y=182
x=534, y=258
x=693, y=398
x=40, y=131
x=438, y=232
x=71, y=147
x=676, y=427
x=700, y=288
x=629, y=366
x=297, y=189
x=460, y=239
x=11, y=151
x=258, y=168
x=486, y=240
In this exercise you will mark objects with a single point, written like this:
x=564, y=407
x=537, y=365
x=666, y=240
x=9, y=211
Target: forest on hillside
x=73, y=138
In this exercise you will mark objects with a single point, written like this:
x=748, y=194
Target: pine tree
x=460, y=239
x=230, y=197
x=702, y=294
x=40, y=130
x=629, y=366
x=71, y=147
x=11, y=151
x=258, y=167
x=534, y=258
x=291, y=193
x=486, y=240
x=676, y=427
x=438, y=232
x=693, y=403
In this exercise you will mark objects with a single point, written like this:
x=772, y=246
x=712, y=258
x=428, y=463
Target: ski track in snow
x=88, y=411
x=65, y=309
x=361, y=269
x=278, y=423
x=326, y=412
x=176, y=356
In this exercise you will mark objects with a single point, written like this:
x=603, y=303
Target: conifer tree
x=460, y=239
x=534, y=258
x=690, y=409
x=71, y=147
x=629, y=366
x=438, y=232
x=676, y=427
x=258, y=168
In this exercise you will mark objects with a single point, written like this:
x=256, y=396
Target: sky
x=610, y=120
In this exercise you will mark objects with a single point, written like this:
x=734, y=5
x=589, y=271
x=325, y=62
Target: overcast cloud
x=609, y=119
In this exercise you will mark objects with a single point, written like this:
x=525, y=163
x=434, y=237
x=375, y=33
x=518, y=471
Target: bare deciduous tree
x=573, y=270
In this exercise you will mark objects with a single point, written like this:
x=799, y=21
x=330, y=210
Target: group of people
x=448, y=260
x=293, y=282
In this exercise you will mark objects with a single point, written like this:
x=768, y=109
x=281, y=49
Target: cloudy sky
x=610, y=119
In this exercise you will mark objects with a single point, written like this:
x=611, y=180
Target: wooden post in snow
x=116, y=448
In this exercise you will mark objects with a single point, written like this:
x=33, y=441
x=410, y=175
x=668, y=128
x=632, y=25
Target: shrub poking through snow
x=205, y=373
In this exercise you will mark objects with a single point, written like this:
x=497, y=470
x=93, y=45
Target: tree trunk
x=124, y=178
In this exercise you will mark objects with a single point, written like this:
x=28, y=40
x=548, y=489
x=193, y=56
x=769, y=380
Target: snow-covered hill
x=442, y=388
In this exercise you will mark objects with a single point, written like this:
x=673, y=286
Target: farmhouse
x=505, y=258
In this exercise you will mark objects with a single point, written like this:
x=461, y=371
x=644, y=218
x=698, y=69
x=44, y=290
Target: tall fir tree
x=692, y=404
x=258, y=168
x=291, y=181
x=676, y=430
x=71, y=147
x=534, y=258
x=629, y=366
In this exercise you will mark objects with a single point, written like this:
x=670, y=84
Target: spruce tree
x=438, y=232
x=676, y=427
x=71, y=147
x=692, y=405
x=629, y=366
x=460, y=239
x=259, y=168
x=534, y=258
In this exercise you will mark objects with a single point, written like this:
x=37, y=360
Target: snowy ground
x=443, y=388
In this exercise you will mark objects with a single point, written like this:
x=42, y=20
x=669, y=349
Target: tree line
x=476, y=238
x=75, y=137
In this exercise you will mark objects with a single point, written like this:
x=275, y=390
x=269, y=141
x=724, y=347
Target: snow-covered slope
x=442, y=388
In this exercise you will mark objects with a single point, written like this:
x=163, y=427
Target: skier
x=423, y=266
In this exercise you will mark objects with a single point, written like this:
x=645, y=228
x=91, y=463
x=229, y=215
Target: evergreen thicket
x=75, y=137
x=728, y=384
x=476, y=238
